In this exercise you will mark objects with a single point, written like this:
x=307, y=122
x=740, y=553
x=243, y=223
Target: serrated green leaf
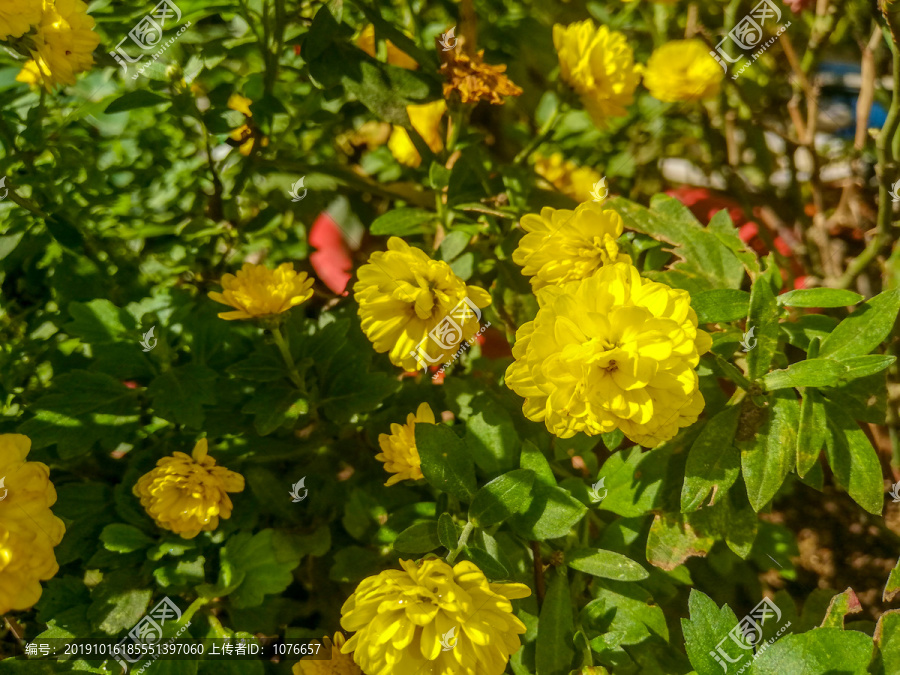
x=707, y=624
x=866, y=328
x=274, y=406
x=264, y=365
x=501, y=498
x=713, y=462
x=606, y=564
x=446, y=463
x=823, y=650
x=179, y=394
x=673, y=540
x=853, y=460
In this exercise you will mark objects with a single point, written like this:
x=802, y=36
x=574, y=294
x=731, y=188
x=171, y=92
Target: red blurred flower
x=331, y=260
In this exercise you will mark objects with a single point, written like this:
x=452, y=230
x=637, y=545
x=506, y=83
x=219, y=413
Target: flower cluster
x=28, y=529
x=572, y=180
x=187, y=494
x=57, y=35
x=400, y=617
x=246, y=135
x=398, y=449
x=612, y=351
x=474, y=80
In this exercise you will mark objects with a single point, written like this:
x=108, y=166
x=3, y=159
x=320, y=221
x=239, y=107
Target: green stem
x=283, y=347
x=461, y=544
x=541, y=135
x=188, y=614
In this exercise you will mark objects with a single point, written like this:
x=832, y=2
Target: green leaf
x=713, y=461
x=673, y=540
x=819, y=297
x=552, y=514
x=99, y=321
x=767, y=459
x=554, y=651
x=613, y=439
x=446, y=463
x=811, y=432
x=487, y=563
x=720, y=305
x=179, y=394
x=864, y=366
x=627, y=609
x=809, y=373
x=140, y=98
x=634, y=480
x=64, y=232
x=866, y=328
x=447, y=532
x=853, y=460
x=402, y=222
x=822, y=650
x=490, y=431
x=532, y=458
x=418, y=538
x=707, y=624
x=264, y=365
x=763, y=319
x=606, y=564
x=892, y=587
x=118, y=602
x=887, y=644
x=503, y=497
x=841, y=605
x=123, y=538
x=274, y=406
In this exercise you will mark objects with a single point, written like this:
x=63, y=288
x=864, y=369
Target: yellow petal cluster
x=339, y=664
x=403, y=295
x=63, y=44
x=613, y=351
x=398, y=449
x=18, y=16
x=401, y=617
x=566, y=176
x=563, y=245
x=395, y=56
x=187, y=494
x=474, y=80
x=599, y=65
x=426, y=120
x=256, y=291
x=247, y=134
x=683, y=70
x=28, y=528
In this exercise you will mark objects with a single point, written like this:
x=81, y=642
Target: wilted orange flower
x=475, y=80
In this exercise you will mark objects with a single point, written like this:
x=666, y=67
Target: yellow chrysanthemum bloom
x=474, y=80
x=563, y=245
x=599, y=65
x=613, y=351
x=398, y=449
x=426, y=120
x=28, y=528
x=64, y=43
x=403, y=295
x=256, y=291
x=30, y=74
x=395, y=56
x=340, y=664
x=188, y=494
x=401, y=616
x=683, y=70
x=18, y=16
x=577, y=182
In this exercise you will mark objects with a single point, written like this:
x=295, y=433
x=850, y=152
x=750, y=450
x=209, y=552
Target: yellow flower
x=188, y=494
x=64, y=43
x=395, y=57
x=247, y=134
x=613, y=351
x=563, y=245
x=475, y=80
x=403, y=294
x=340, y=664
x=256, y=291
x=30, y=74
x=401, y=616
x=683, y=70
x=28, y=528
x=599, y=65
x=426, y=120
x=18, y=16
x=241, y=104
x=572, y=180
x=398, y=449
